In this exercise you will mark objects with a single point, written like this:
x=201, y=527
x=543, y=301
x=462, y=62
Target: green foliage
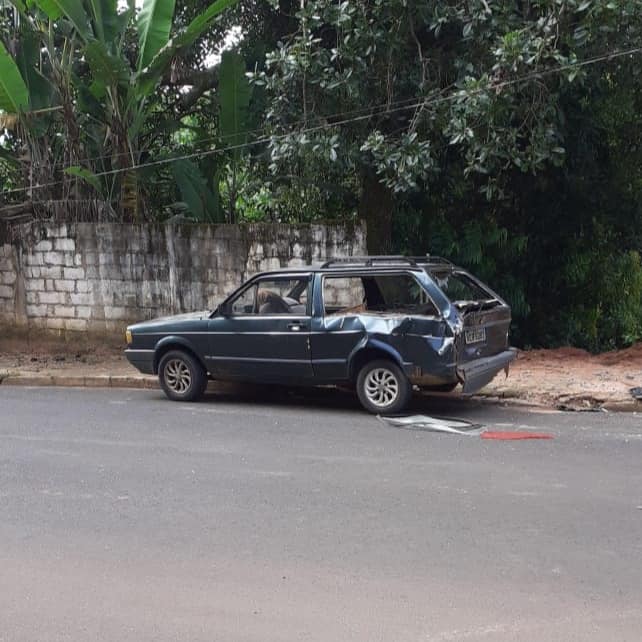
x=184, y=39
x=234, y=93
x=14, y=95
x=100, y=64
x=85, y=174
x=154, y=24
x=201, y=203
x=72, y=10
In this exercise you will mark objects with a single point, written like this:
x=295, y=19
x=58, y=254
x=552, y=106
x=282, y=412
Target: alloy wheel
x=381, y=387
x=178, y=376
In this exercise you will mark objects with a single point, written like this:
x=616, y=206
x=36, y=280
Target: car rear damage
x=481, y=343
x=457, y=332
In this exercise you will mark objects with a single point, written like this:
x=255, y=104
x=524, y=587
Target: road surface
x=128, y=517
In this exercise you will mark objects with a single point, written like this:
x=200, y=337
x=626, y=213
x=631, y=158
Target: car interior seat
x=272, y=303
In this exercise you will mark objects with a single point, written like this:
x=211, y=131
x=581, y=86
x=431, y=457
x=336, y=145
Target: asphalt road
x=127, y=517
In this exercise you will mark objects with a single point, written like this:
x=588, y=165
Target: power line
x=374, y=110
x=421, y=103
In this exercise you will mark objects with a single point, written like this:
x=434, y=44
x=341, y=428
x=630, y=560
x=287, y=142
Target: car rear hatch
x=482, y=346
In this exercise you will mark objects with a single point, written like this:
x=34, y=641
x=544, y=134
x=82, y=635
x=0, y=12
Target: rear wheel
x=181, y=376
x=383, y=388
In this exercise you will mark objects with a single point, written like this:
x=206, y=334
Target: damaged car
x=383, y=325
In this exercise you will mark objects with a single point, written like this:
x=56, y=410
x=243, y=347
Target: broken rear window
x=460, y=288
x=376, y=294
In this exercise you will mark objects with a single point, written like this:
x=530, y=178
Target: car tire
x=383, y=388
x=181, y=376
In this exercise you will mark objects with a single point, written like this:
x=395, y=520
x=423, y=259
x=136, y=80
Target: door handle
x=296, y=326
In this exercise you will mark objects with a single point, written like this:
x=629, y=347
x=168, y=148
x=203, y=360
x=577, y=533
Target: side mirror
x=225, y=309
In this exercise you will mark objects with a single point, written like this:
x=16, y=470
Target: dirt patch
x=39, y=352
x=570, y=378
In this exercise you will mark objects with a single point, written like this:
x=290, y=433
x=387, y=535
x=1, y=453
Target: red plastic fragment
x=493, y=434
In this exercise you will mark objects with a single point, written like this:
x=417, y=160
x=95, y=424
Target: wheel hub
x=178, y=376
x=381, y=387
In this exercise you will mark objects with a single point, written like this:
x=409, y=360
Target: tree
x=389, y=91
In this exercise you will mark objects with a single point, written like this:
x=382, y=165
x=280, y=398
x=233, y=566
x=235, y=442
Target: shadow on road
x=330, y=398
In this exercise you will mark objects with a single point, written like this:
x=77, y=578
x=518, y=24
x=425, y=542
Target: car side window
x=376, y=293
x=274, y=296
x=342, y=295
x=245, y=303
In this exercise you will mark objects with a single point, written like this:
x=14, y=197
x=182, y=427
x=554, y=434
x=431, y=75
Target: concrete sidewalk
x=532, y=381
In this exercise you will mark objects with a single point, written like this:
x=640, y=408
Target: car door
x=338, y=328
x=389, y=311
x=263, y=333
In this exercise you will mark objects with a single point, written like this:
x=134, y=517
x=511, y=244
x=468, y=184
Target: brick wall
x=86, y=276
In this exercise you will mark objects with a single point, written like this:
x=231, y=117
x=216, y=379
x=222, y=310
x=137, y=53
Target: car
x=381, y=324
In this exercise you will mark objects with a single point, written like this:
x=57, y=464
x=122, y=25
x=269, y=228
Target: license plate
x=476, y=335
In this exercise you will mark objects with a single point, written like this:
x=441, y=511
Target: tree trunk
x=375, y=207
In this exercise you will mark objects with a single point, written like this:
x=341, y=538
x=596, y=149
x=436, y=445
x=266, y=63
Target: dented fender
x=422, y=346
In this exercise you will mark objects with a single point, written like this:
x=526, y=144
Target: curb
x=91, y=381
x=151, y=383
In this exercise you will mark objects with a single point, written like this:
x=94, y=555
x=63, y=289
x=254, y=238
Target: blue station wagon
x=381, y=324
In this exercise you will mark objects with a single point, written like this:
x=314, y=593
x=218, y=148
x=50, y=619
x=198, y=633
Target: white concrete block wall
x=102, y=276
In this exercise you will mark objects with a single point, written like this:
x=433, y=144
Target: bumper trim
x=142, y=360
x=474, y=375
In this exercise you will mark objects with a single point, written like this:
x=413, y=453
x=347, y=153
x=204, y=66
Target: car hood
x=184, y=317
x=189, y=316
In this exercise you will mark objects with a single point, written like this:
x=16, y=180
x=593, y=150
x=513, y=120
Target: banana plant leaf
x=106, y=68
x=14, y=95
x=154, y=24
x=73, y=10
x=86, y=175
x=105, y=19
x=234, y=93
x=201, y=202
x=149, y=76
x=41, y=91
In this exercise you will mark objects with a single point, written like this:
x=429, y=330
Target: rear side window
x=342, y=295
x=376, y=293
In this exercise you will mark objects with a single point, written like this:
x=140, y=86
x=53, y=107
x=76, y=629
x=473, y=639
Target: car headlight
x=128, y=336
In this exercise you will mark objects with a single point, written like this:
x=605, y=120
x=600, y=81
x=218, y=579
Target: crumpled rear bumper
x=474, y=375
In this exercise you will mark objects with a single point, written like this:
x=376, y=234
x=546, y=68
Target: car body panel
x=270, y=348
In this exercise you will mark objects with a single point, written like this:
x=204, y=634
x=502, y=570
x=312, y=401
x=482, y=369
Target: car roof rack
x=430, y=258
x=368, y=261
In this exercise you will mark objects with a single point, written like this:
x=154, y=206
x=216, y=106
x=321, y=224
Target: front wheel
x=383, y=388
x=181, y=376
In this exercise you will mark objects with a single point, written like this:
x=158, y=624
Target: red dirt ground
x=573, y=378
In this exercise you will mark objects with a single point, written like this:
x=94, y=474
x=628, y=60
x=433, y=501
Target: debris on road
x=456, y=427
x=433, y=424
x=636, y=393
x=504, y=435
